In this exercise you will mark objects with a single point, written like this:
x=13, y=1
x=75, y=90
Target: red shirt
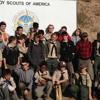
x=60, y=38
x=84, y=49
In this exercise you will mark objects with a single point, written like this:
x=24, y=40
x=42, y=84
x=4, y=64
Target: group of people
x=32, y=64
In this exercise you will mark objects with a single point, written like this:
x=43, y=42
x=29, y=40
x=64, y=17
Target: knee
x=21, y=85
x=49, y=84
x=37, y=93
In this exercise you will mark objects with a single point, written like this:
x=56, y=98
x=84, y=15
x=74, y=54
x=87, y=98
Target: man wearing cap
x=81, y=88
x=96, y=54
x=84, y=52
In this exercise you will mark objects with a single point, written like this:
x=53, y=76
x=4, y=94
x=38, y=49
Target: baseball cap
x=84, y=34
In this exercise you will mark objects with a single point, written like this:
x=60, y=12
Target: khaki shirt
x=57, y=75
x=39, y=75
x=86, y=80
x=22, y=50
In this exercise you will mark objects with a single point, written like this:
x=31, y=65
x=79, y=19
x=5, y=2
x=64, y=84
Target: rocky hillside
x=89, y=17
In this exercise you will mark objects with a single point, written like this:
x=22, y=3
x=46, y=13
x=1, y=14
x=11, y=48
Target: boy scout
x=82, y=84
x=61, y=76
x=43, y=82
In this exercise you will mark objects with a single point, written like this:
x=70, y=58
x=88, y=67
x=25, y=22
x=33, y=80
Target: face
x=54, y=38
x=23, y=41
x=77, y=33
x=65, y=37
x=43, y=68
x=7, y=76
x=41, y=36
x=62, y=68
x=63, y=30
x=2, y=28
x=14, y=42
x=20, y=31
x=83, y=69
x=25, y=65
x=36, y=39
x=51, y=29
x=85, y=38
x=35, y=29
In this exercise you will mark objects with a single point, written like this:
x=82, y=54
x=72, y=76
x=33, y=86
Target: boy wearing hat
x=96, y=54
x=25, y=74
x=84, y=52
x=60, y=76
x=81, y=85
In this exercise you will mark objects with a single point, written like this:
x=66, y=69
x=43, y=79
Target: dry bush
x=83, y=19
x=95, y=29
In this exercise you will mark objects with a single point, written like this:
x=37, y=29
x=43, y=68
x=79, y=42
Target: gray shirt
x=25, y=76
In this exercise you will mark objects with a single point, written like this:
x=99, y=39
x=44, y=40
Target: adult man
x=50, y=30
x=84, y=52
x=4, y=34
x=52, y=53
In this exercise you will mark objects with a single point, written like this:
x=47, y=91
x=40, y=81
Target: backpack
x=12, y=54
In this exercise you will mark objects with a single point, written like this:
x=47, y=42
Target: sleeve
x=91, y=49
x=22, y=49
x=37, y=76
x=31, y=82
x=89, y=82
x=18, y=70
x=54, y=76
x=29, y=53
x=1, y=58
x=58, y=55
x=4, y=52
x=12, y=82
x=42, y=48
x=2, y=80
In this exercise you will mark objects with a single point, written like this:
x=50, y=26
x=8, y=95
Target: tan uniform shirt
x=57, y=75
x=86, y=80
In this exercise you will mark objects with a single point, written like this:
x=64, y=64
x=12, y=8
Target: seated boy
x=60, y=76
x=25, y=74
x=43, y=81
x=82, y=85
x=8, y=86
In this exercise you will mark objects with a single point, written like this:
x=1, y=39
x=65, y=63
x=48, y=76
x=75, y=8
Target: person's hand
x=58, y=60
x=90, y=97
x=92, y=61
x=25, y=92
x=43, y=82
x=6, y=67
x=46, y=59
x=32, y=30
x=58, y=82
x=39, y=84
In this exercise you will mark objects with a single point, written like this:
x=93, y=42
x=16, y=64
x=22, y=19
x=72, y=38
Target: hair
x=49, y=26
x=7, y=71
x=64, y=27
x=2, y=23
x=43, y=63
x=64, y=33
x=23, y=36
x=54, y=34
x=57, y=33
x=41, y=32
x=24, y=60
x=19, y=27
x=35, y=25
x=74, y=33
x=12, y=38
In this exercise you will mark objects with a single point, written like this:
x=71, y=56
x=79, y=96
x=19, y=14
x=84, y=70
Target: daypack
x=11, y=54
